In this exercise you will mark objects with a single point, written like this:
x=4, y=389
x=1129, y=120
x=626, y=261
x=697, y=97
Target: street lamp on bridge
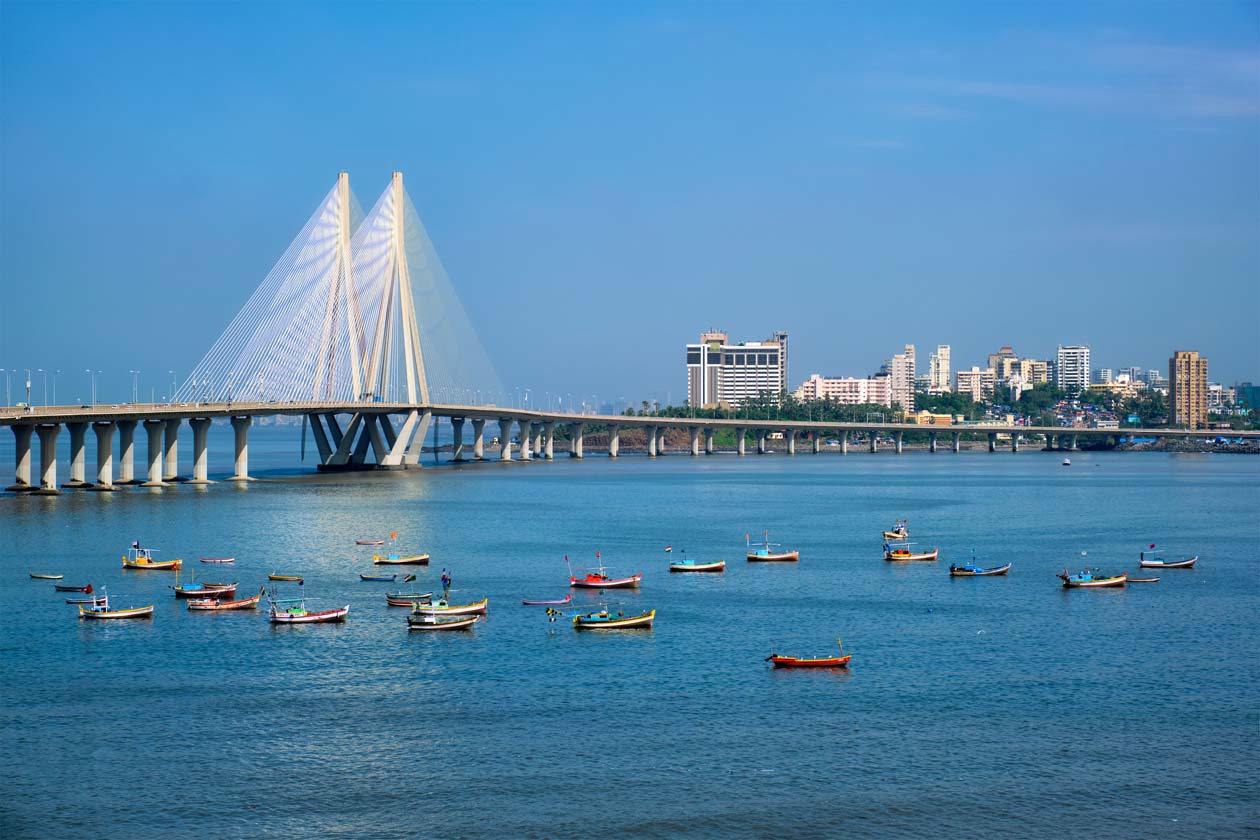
x=93, y=373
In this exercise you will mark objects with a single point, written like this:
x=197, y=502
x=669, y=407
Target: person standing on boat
x=446, y=583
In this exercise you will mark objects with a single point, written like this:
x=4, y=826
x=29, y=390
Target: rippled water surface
x=1001, y=707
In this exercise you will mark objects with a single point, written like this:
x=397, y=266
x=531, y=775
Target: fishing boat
x=369, y=542
x=433, y=622
x=399, y=560
x=766, y=553
x=95, y=599
x=686, y=565
x=1143, y=580
x=38, y=576
x=1067, y=462
x=217, y=604
x=552, y=603
x=99, y=610
x=379, y=578
x=605, y=620
x=142, y=558
x=1089, y=579
x=87, y=587
x=904, y=551
x=218, y=559
x=205, y=590
x=1157, y=562
x=443, y=607
x=841, y=661
x=407, y=599
x=600, y=579
x=899, y=531
x=972, y=570
x=294, y=611
x=274, y=576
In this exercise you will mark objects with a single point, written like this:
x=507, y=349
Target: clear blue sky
x=605, y=180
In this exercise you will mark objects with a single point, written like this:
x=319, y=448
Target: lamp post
x=41, y=370
x=135, y=386
x=6, y=372
x=92, y=373
x=55, y=372
x=171, y=393
x=28, y=389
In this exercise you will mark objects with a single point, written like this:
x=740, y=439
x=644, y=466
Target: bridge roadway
x=371, y=427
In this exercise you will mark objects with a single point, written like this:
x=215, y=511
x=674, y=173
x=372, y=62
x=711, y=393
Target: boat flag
x=597, y=555
x=669, y=548
x=393, y=535
x=1152, y=545
x=89, y=589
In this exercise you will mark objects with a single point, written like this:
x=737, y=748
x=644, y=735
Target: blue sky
x=603, y=181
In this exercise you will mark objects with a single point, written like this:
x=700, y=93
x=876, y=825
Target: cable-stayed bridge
x=358, y=330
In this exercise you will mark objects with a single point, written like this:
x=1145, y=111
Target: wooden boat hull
x=719, y=566
x=208, y=604
x=93, y=601
x=324, y=617
x=1102, y=583
x=896, y=535
x=207, y=591
x=417, y=560
x=46, y=577
x=999, y=570
x=1188, y=563
x=404, y=600
x=104, y=615
x=894, y=556
x=633, y=622
x=607, y=583
x=553, y=603
x=218, y=559
x=87, y=587
x=1143, y=580
x=785, y=557
x=797, y=662
x=369, y=542
x=379, y=578
x=466, y=623
x=476, y=608
x=284, y=577
x=155, y=566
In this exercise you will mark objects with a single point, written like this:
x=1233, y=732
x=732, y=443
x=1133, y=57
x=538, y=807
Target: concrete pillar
x=695, y=440
x=660, y=440
x=708, y=440
x=1014, y=441
x=931, y=441
x=844, y=442
x=577, y=432
x=479, y=438
x=549, y=432
x=201, y=456
x=538, y=440
x=127, y=452
x=651, y=441
x=739, y=441
x=1072, y=444
x=457, y=438
x=78, y=455
x=505, y=438
x=1050, y=443
x=172, y=450
x=993, y=441
x=957, y=441
x=897, y=438
x=816, y=441
x=614, y=440
x=874, y=440
x=154, y=430
x=527, y=432
x=48, y=459
x=761, y=441
x=21, y=458
x=104, y=456
x=240, y=426
x=791, y=441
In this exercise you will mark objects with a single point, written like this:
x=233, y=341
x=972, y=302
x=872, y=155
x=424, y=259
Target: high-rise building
x=1072, y=367
x=847, y=390
x=938, y=371
x=1101, y=376
x=977, y=383
x=1187, y=392
x=995, y=359
x=720, y=372
x=901, y=369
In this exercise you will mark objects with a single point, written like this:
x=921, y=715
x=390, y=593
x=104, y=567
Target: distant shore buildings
x=1188, y=389
x=721, y=373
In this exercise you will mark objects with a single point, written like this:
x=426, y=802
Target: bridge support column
x=527, y=433
x=549, y=439
x=240, y=428
x=957, y=442
x=761, y=441
x=695, y=440
x=816, y=442
x=201, y=457
x=739, y=441
x=78, y=456
x=614, y=440
x=1072, y=443
x=538, y=440
x=127, y=452
x=931, y=441
x=172, y=451
x=897, y=439
x=1014, y=441
x=21, y=459
x=154, y=430
x=457, y=438
x=479, y=439
x=874, y=440
x=791, y=441
x=48, y=459
x=1051, y=443
x=651, y=441
x=505, y=439
x=844, y=442
x=316, y=422
x=660, y=440
x=104, y=456
x=709, y=432
x=577, y=433
x=993, y=441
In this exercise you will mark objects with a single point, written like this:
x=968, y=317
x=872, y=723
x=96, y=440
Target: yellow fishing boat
x=142, y=558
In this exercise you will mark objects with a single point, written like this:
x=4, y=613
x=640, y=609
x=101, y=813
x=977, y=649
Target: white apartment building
x=938, y=371
x=1102, y=376
x=847, y=390
x=979, y=384
x=901, y=370
x=1072, y=367
x=719, y=372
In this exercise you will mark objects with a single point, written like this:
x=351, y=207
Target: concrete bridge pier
x=127, y=452
x=104, y=456
x=816, y=440
x=993, y=441
x=21, y=459
x=931, y=441
x=78, y=456
x=1051, y=443
x=1072, y=443
x=577, y=433
x=154, y=429
x=695, y=440
x=844, y=442
x=538, y=440
x=874, y=441
x=614, y=440
x=549, y=432
x=240, y=428
x=48, y=459
x=897, y=438
x=651, y=441
x=505, y=438
x=957, y=441
x=201, y=455
x=1014, y=441
x=761, y=441
x=739, y=441
x=660, y=440
x=457, y=438
x=709, y=432
x=479, y=439
x=527, y=433
x=791, y=441
x=172, y=451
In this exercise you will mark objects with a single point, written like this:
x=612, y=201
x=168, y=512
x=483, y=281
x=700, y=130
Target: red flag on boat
x=89, y=589
x=669, y=548
x=597, y=555
x=1152, y=545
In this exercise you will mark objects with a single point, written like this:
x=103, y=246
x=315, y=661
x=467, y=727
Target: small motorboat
x=379, y=578
x=904, y=551
x=599, y=579
x=841, y=661
x=143, y=560
x=1089, y=579
x=1143, y=580
x=899, y=531
x=605, y=620
x=205, y=590
x=38, y=576
x=218, y=559
x=294, y=611
x=218, y=604
x=1067, y=462
x=407, y=599
x=686, y=565
x=1157, y=562
x=369, y=542
x=99, y=610
x=433, y=622
x=972, y=570
x=87, y=587
x=766, y=553
x=442, y=607
x=552, y=603
x=101, y=599
x=399, y=560
x=274, y=576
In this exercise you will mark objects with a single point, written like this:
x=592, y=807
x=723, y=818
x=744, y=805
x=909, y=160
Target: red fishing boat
x=599, y=579
x=87, y=588
x=841, y=661
x=217, y=604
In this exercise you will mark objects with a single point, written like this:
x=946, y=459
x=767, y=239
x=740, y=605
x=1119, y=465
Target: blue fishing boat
x=379, y=578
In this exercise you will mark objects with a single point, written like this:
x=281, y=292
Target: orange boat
x=841, y=661
x=142, y=558
x=901, y=551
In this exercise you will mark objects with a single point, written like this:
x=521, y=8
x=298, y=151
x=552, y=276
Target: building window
x=693, y=358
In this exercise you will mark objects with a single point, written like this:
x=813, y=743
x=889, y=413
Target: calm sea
x=1000, y=707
